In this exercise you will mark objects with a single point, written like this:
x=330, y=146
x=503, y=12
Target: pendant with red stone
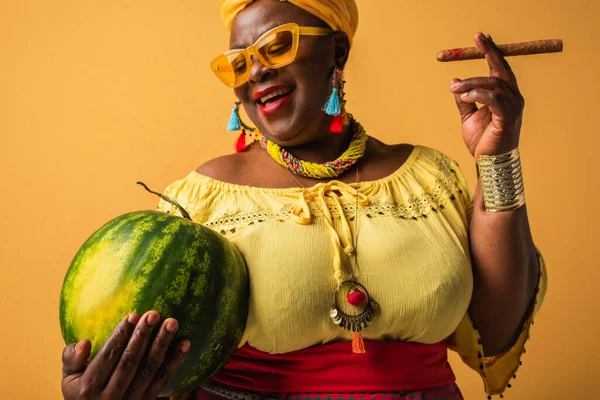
x=360, y=310
x=356, y=297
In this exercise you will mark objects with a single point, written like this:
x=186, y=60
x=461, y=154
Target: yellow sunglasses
x=274, y=49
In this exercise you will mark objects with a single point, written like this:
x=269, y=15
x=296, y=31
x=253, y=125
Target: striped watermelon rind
x=150, y=260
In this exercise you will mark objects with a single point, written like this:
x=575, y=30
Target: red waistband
x=385, y=367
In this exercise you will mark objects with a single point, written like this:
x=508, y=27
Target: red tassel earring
x=335, y=103
x=337, y=124
x=240, y=144
x=235, y=124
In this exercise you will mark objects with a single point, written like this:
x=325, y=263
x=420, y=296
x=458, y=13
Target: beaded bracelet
x=501, y=181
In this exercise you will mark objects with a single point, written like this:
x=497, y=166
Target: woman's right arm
x=129, y=365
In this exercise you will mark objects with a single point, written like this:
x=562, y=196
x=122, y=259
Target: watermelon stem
x=168, y=200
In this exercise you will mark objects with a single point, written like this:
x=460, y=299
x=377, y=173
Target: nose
x=258, y=71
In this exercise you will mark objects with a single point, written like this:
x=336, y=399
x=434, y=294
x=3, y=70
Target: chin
x=292, y=132
x=285, y=130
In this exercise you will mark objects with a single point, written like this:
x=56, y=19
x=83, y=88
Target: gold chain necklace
x=358, y=311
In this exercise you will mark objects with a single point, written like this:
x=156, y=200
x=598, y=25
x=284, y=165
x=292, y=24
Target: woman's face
x=295, y=117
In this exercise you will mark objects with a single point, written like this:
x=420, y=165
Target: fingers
x=125, y=365
x=154, y=359
x=466, y=109
x=74, y=357
x=499, y=67
x=491, y=91
x=481, y=82
x=132, y=355
x=167, y=369
x=498, y=103
x=104, y=362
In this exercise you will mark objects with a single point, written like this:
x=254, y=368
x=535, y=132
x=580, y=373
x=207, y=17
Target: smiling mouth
x=275, y=96
x=274, y=100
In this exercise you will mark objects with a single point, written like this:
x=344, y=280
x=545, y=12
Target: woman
x=414, y=262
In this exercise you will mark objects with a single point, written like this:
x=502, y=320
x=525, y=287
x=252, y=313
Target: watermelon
x=151, y=260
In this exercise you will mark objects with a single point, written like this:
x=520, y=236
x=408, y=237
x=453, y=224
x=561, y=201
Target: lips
x=272, y=99
x=263, y=95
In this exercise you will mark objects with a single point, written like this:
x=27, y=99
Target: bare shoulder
x=392, y=155
x=380, y=148
x=231, y=168
x=224, y=168
x=384, y=159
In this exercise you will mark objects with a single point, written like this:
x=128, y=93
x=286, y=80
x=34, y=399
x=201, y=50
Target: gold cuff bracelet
x=501, y=181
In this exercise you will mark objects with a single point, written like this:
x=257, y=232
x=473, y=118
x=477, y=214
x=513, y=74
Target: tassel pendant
x=337, y=124
x=240, y=144
x=358, y=345
x=234, y=120
x=333, y=106
x=355, y=321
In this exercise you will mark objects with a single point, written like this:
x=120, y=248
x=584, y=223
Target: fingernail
x=171, y=326
x=454, y=84
x=133, y=318
x=152, y=318
x=185, y=346
x=79, y=346
x=466, y=94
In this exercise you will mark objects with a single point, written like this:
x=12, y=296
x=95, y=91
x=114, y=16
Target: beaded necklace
x=329, y=169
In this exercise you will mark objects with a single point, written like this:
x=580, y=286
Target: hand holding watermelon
x=143, y=261
x=121, y=369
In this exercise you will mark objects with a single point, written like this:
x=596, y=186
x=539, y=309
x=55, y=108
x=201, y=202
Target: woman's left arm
x=505, y=261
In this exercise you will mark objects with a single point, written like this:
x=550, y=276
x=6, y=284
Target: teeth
x=276, y=93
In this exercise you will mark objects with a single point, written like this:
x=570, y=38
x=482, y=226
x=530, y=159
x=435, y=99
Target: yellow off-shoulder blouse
x=412, y=249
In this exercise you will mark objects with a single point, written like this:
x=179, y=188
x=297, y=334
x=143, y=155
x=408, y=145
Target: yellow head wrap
x=340, y=15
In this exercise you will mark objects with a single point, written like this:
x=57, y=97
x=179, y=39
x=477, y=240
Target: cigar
x=511, y=49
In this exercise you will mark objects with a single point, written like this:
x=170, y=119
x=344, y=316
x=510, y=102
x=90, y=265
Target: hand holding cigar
x=490, y=105
x=511, y=49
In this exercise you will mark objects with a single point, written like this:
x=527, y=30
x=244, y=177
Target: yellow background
x=95, y=95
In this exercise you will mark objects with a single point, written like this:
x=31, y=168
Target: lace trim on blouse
x=444, y=184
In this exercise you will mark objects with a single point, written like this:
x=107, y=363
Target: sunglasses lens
x=274, y=50
x=231, y=68
x=277, y=48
